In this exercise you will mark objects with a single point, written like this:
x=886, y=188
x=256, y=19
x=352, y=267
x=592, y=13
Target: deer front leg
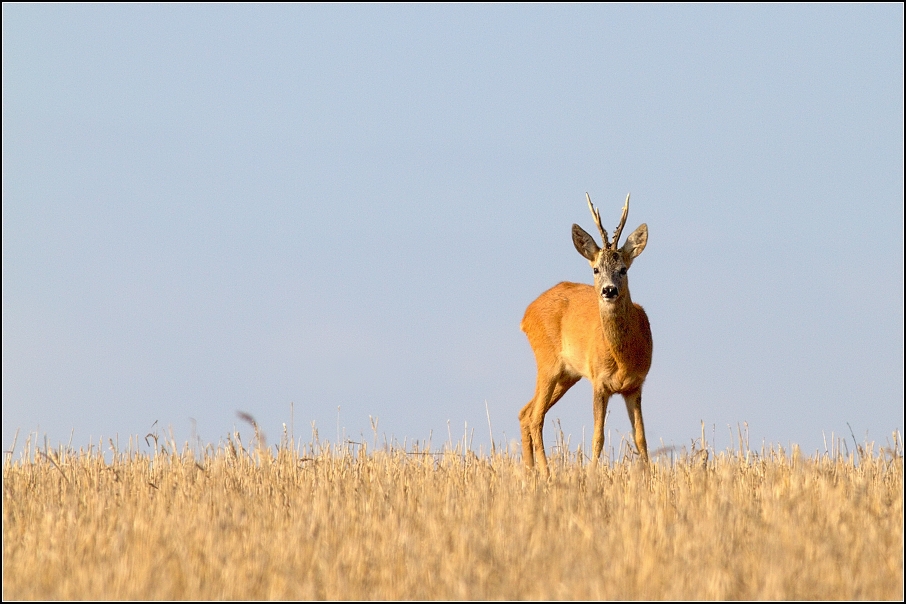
x=634, y=407
x=600, y=408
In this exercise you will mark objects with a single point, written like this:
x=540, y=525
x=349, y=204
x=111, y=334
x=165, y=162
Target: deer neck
x=618, y=321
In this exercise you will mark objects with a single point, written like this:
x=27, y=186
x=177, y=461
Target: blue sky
x=328, y=214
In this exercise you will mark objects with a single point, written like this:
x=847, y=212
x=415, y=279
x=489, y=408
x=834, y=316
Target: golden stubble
x=338, y=523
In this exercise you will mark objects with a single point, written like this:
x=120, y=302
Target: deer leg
x=634, y=407
x=560, y=388
x=528, y=455
x=600, y=407
x=532, y=414
x=531, y=418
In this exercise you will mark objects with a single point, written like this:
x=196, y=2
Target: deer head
x=610, y=263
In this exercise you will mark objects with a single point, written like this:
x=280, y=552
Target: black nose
x=610, y=292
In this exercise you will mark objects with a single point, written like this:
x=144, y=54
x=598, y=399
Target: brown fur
x=576, y=332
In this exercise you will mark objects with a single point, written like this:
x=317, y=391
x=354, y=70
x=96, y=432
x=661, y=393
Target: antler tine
x=616, y=233
x=596, y=214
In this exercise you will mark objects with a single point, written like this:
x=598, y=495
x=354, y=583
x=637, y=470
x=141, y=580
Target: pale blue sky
x=218, y=208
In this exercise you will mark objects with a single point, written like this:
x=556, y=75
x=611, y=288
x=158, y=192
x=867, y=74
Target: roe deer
x=577, y=330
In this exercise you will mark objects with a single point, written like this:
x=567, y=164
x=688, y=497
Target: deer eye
x=595, y=269
x=623, y=271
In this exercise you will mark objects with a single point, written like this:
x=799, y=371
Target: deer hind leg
x=634, y=407
x=548, y=390
x=600, y=407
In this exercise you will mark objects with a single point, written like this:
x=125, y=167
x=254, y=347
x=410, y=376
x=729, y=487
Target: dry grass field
x=322, y=522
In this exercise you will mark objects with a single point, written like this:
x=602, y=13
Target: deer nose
x=610, y=292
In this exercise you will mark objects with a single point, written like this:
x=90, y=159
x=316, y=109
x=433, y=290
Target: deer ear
x=585, y=243
x=635, y=244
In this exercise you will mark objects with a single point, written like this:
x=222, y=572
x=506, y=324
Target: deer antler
x=616, y=233
x=596, y=214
